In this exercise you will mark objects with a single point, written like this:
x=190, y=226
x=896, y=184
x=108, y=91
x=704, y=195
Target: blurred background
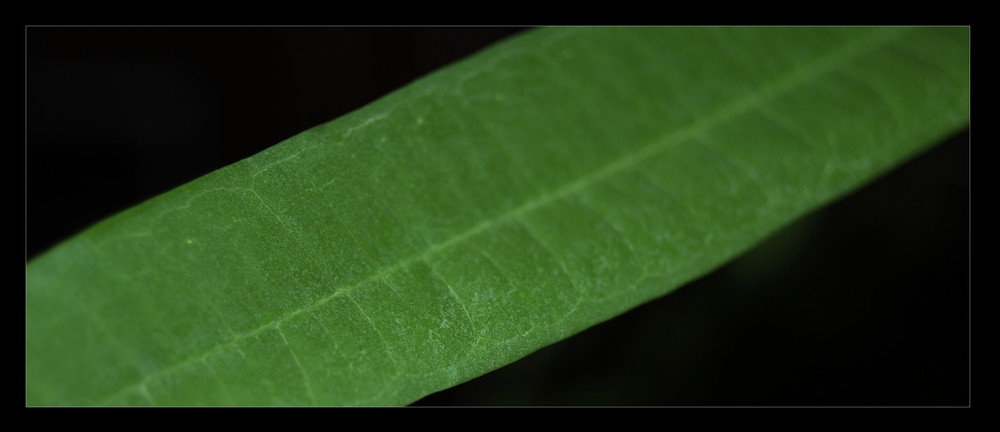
x=865, y=302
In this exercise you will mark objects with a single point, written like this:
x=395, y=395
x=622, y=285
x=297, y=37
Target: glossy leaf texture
x=501, y=204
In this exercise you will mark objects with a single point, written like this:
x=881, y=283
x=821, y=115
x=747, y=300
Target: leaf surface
x=501, y=204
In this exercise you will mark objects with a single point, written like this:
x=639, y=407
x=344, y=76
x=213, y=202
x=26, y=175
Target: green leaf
x=496, y=206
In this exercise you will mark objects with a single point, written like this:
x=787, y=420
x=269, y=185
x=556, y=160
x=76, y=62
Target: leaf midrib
x=821, y=65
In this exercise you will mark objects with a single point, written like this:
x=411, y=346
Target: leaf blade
x=527, y=202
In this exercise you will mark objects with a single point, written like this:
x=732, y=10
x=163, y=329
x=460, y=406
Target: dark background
x=865, y=302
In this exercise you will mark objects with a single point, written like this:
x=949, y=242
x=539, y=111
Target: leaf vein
x=821, y=65
x=305, y=375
